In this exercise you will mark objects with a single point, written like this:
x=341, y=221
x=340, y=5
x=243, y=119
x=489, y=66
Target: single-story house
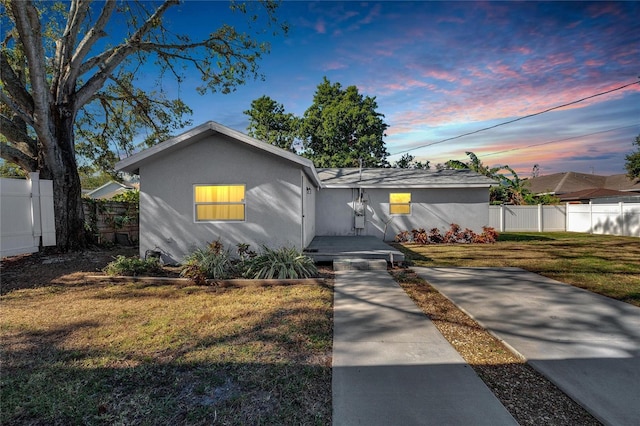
x=109, y=190
x=213, y=182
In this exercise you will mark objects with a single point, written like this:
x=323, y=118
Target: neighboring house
x=109, y=190
x=581, y=187
x=213, y=182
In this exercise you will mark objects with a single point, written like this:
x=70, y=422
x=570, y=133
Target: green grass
x=140, y=354
x=604, y=264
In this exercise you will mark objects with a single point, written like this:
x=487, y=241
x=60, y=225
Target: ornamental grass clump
x=283, y=263
x=211, y=262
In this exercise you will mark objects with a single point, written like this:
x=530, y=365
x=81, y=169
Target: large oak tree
x=70, y=69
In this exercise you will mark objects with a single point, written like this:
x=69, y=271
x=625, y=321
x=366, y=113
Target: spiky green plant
x=209, y=263
x=283, y=263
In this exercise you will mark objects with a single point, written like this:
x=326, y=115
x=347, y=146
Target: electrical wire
x=559, y=140
x=516, y=119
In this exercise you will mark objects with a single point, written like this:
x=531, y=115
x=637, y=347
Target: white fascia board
x=396, y=186
x=132, y=164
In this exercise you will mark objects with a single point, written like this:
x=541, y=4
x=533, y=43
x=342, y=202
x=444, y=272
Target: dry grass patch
x=165, y=354
x=604, y=264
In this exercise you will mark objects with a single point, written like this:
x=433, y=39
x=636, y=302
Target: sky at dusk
x=442, y=69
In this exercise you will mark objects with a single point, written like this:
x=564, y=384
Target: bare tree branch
x=17, y=109
x=18, y=136
x=85, y=45
x=119, y=54
x=64, y=47
x=14, y=85
x=29, y=28
x=14, y=155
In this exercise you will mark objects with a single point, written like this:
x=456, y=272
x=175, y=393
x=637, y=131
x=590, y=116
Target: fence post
x=590, y=217
x=501, y=217
x=540, y=224
x=47, y=213
x=34, y=194
x=622, y=221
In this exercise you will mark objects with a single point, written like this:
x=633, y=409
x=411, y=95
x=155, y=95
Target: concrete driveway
x=587, y=344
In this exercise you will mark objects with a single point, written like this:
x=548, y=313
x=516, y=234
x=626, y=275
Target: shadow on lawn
x=45, y=382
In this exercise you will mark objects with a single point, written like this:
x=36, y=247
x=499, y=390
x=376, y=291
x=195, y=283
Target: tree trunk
x=61, y=167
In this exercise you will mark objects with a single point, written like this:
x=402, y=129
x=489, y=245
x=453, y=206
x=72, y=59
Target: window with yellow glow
x=219, y=202
x=400, y=203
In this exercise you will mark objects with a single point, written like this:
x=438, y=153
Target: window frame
x=408, y=204
x=243, y=203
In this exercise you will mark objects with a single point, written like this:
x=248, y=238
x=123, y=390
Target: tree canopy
x=632, y=163
x=68, y=70
x=341, y=128
x=269, y=122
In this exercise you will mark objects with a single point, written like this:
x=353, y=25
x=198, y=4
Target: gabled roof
x=132, y=164
x=404, y=178
x=561, y=183
x=109, y=189
x=588, y=194
x=622, y=183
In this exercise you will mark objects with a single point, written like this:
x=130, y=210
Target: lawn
x=604, y=264
x=166, y=354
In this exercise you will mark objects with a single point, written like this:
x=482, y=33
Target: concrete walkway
x=392, y=367
x=588, y=345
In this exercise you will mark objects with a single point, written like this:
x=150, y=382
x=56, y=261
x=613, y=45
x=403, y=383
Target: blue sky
x=441, y=69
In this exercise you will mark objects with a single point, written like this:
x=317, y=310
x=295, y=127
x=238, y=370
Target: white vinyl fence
x=611, y=219
x=26, y=215
x=528, y=218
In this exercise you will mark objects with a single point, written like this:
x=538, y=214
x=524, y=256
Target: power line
x=559, y=140
x=516, y=119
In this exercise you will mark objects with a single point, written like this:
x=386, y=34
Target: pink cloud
x=334, y=65
x=594, y=62
x=320, y=26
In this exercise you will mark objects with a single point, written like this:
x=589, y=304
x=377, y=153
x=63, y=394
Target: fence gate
x=26, y=215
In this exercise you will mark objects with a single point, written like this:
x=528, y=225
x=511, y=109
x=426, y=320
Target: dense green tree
x=269, y=122
x=342, y=128
x=63, y=75
x=632, y=163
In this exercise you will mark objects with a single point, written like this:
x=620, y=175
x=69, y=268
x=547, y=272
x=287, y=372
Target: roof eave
x=410, y=186
x=132, y=164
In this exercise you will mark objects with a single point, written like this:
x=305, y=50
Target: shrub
x=489, y=236
x=420, y=236
x=212, y=262
x=282, y=263
x=403, y=237
x=132, y=266
x=435, y=237
x=454, y=235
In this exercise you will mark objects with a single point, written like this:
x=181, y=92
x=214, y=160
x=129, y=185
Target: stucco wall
x=273, y=198
x=430, y=208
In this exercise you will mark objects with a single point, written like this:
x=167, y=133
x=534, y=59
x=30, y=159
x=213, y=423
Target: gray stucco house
x=213, y=182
